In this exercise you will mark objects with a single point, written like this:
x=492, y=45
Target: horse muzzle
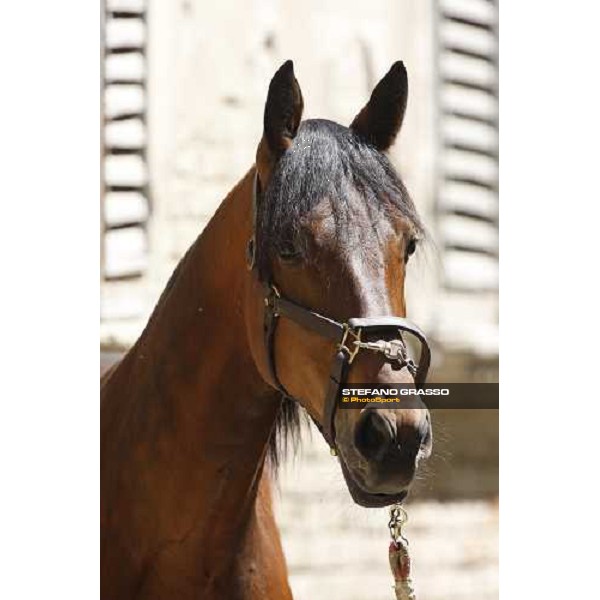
x=380, y=451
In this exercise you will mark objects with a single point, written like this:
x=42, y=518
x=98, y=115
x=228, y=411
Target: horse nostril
x=410, y=440
x=374, y=435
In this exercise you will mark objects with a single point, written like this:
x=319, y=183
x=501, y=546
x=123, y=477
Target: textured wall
x=209, y=66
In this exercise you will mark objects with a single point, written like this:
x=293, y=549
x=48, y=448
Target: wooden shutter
x=467, y=201
x=126, y=198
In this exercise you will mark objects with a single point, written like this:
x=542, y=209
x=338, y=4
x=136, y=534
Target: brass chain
x=398, y=517
x=399, y=557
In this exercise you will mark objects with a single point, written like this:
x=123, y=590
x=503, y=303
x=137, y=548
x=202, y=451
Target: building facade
x=184, y=90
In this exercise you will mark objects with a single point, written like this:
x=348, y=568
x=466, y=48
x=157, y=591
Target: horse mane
x=324, y=160
x=285, y=436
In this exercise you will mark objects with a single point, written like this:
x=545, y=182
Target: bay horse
x=194, y=410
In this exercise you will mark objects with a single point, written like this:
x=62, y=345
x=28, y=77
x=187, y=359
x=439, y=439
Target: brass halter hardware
x=355, y=347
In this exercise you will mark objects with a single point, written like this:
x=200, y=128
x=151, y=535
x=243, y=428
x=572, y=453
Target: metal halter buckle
x=352, y=352
x=269, y=299
x=392, y=350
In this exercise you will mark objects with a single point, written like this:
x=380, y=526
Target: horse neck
x=186, y=414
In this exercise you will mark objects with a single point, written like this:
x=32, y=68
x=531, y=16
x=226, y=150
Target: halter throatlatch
x=382, y=335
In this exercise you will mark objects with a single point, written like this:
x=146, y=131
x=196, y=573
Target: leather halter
x=350, y=337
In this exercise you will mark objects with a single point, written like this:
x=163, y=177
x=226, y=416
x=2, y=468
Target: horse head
x=334, y=230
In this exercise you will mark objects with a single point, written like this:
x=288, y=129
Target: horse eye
x=289, y=253
x=411, y=247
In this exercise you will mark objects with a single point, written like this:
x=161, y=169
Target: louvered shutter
x=467, y=201
x=126, y=199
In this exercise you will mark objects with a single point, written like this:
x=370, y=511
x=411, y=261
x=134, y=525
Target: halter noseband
x=350, y=338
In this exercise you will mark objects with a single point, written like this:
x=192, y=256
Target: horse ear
x=380, y=120
x=283, y=110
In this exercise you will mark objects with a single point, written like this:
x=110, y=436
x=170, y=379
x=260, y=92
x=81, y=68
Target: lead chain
x=398, y=555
